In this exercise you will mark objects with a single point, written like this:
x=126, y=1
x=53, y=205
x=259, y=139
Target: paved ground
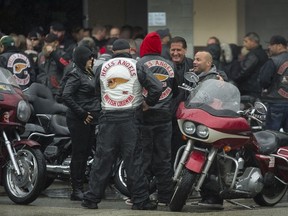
x=54, y=201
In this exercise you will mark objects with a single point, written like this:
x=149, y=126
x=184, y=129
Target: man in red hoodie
x=157, y=129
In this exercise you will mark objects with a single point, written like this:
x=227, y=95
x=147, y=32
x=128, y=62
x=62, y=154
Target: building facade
x=196, y=20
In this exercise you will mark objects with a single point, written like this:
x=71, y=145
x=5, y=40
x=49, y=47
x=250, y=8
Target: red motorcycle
x=23, y=167
x=219, y=139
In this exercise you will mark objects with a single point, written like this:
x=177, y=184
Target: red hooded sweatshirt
x=151, y=44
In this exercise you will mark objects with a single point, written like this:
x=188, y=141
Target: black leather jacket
x=273, y=78
x=51, y=69
x=185, y=66
x=247, y=79
x=79, y=95
x=161, y=112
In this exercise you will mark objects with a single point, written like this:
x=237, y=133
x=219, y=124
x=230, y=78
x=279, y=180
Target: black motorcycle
x=48, y=126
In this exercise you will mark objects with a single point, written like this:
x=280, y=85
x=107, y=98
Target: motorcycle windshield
x=216, y=97
x=7, y=81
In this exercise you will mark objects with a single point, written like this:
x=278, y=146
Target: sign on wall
x=156, y=19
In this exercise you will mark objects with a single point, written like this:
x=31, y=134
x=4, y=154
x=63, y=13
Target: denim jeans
x=277, y=116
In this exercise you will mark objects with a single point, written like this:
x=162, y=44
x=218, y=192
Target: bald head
x=202, y=62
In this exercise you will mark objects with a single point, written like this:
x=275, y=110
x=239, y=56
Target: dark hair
x=178, y=39
x=253, y=36
x=217, y=41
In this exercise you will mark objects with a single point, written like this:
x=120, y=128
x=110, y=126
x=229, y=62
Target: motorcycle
x=23, y=168
x=248, y=164
x=255, y=112
x=48, y=126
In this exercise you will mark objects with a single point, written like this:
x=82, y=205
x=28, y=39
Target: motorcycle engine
x=251, y=181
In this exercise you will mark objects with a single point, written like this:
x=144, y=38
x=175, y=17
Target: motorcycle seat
x=282, y=138
x=267, y=142
x=42, y=101
x=58, y=125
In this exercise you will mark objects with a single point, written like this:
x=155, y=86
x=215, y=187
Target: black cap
x=120, y=44
x=49, y=38
x=277, y=39
x=33, y=34
x=163, y=32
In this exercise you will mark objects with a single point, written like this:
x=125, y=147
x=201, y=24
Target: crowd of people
x=126, y=81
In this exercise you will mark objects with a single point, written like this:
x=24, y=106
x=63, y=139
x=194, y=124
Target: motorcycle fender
x=196, y=161
x=283, y=151
x=30, y=143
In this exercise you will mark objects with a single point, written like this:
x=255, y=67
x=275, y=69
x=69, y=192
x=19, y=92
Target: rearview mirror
x=191, y=77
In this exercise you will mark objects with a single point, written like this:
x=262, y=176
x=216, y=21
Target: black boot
x=77, y=193
x=77, y=169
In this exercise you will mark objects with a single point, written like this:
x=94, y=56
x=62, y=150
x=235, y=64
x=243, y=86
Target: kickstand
x=239, y=204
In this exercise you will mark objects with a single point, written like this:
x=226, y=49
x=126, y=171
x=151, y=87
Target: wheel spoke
x=25, y=188
x=29, y=186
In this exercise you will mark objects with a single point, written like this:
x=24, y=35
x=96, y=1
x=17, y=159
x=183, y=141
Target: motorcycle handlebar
x=186, y=87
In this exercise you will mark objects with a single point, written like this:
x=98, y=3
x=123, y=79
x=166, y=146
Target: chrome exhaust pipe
x=62, y=169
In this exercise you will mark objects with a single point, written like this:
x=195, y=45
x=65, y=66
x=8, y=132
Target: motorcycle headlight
x=23, y=111
x=260, y=107
x=189, y=127
x=202, y=131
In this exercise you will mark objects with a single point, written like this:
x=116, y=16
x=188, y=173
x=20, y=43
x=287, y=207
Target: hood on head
x=214, y=50
x=151, y=44
x=81, y=55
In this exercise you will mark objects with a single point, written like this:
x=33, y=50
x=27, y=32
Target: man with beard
x=204, y=68
x=51, y=63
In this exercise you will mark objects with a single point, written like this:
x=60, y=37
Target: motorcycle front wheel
x=49, y=181
x=26, y=187
x=120, y=180
x=271, y=195
x=182, y=190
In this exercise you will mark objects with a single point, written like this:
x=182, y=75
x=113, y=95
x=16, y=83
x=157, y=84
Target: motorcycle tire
x=120, y=180
x=49, y=181
x=271, y=195
x=182, y=190
x=25, y=188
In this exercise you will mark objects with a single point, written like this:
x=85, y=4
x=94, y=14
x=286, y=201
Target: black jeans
x=82, y=137
x=211, y=186
x=118, y=135
x=156, y=141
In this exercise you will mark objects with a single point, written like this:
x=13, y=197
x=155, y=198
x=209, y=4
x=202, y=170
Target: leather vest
x=279, y=86
x=20, y=67
x=164, y=72
x=120, y=88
